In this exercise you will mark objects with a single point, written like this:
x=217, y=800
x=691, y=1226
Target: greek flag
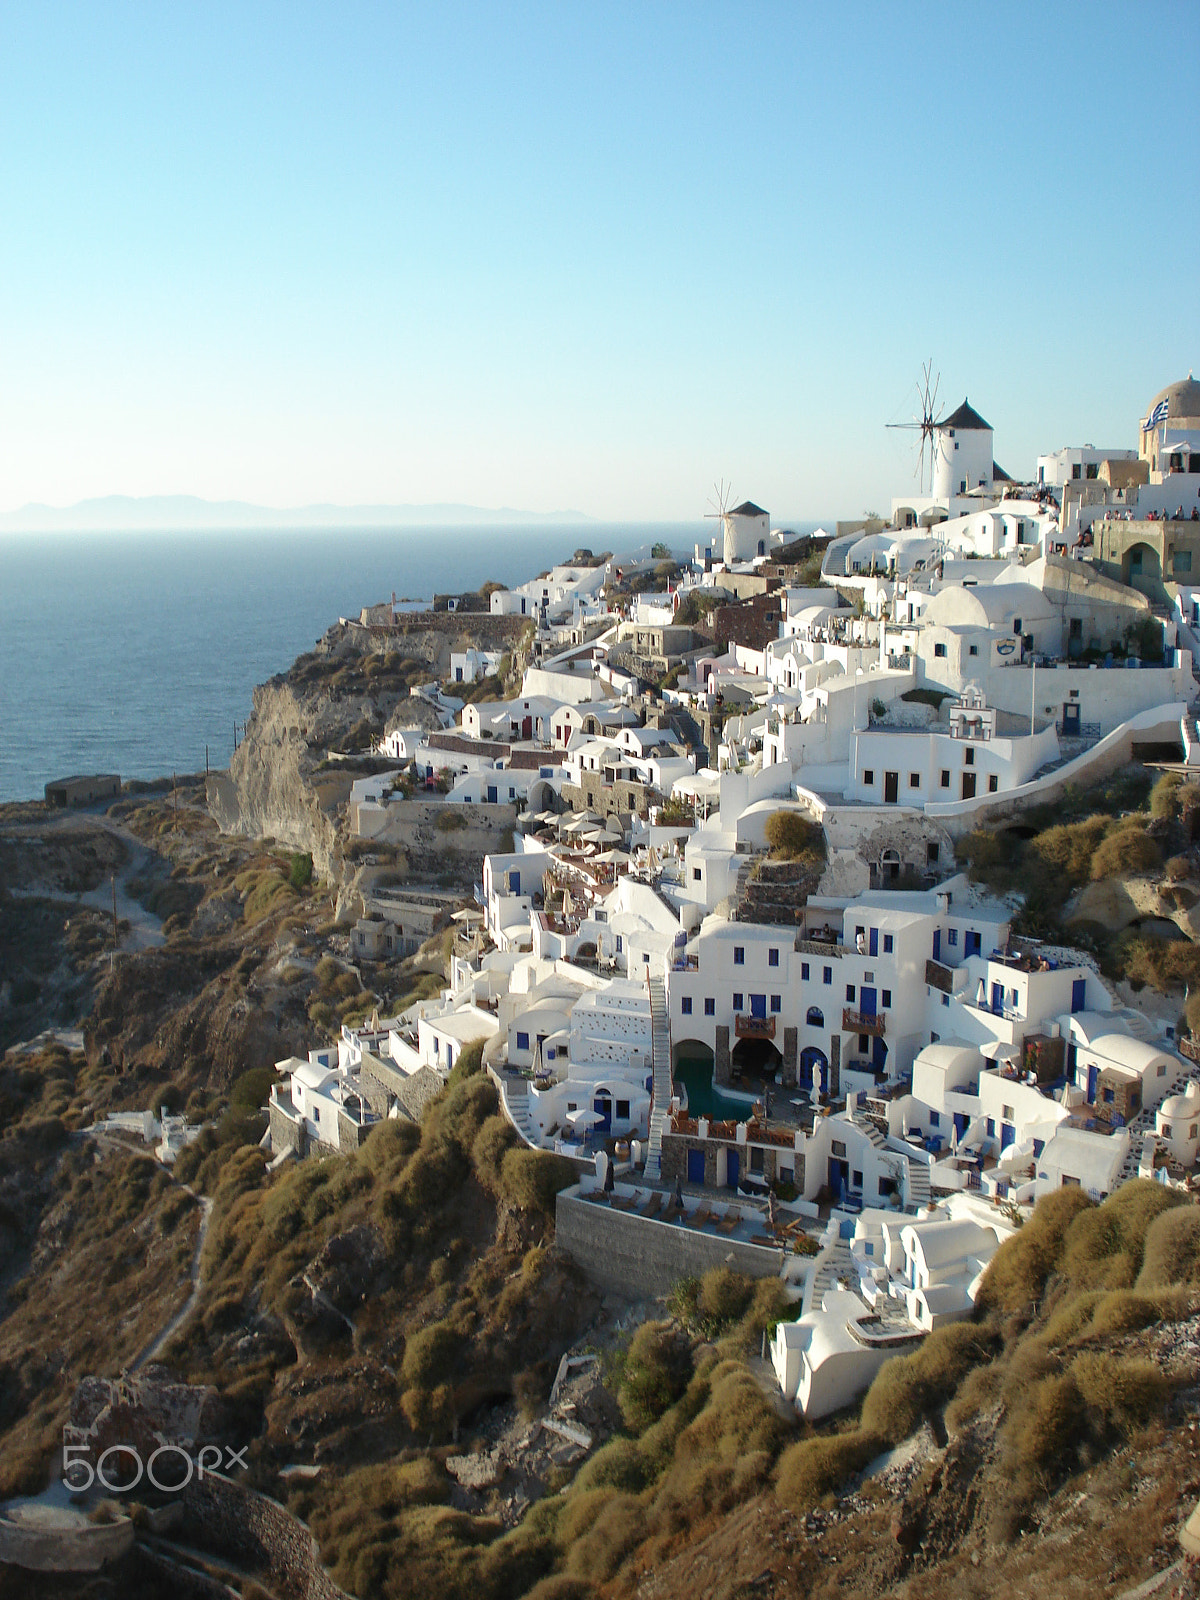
x=1159, y=414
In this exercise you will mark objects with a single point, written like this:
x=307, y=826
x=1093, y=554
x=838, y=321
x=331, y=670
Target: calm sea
x=131, y=653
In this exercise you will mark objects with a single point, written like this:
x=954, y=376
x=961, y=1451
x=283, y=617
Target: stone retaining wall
x=640, y=1256
x=258, y=1533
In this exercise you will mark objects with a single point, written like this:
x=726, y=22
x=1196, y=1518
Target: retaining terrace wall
x=258, y=1533
x=640, y=1256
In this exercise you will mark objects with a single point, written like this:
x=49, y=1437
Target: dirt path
x=159, y=1341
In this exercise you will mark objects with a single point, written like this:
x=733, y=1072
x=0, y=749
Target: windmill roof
x=747, y=509
x=999, y=475
x=965, y=417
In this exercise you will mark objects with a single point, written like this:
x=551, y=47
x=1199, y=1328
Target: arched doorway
x=754, y=1059
x=1141, y=569
x=813, y=1069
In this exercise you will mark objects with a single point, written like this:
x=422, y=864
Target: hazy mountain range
x=122, y=513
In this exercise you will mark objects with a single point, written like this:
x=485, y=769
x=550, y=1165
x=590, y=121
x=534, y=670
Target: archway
x=812, y=1070
x=1141, y=569
x=753, y=1059
x=815, y=1017
x=692, y=1073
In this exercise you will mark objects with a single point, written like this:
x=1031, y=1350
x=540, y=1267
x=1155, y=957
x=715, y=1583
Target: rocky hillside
x=338, y=698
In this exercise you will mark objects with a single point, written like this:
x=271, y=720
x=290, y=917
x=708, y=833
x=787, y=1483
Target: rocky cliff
x=337, y=698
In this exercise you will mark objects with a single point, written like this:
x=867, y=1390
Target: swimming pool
x=704, y=1099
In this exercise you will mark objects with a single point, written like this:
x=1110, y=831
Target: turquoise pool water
x=704, y=1100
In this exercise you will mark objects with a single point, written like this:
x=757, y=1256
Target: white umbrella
x=997, y=1050
x=583, y=1118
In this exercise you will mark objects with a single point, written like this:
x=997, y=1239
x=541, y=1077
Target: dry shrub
x=562, y=1586
x=1071, y=1318
x=581, y=1513
x=618, y=1465
x=1123, y=1391
x=1066, y=851
x=428, y=1355
x=492, y=1143
x=1017, y=1273
x=737, y=1419
x=1171, y=1254
x=530, y=1179
x=724, y=1296
x=618, y=1529
x=1043, y=1431
x=795, y=838
x=978, y=1390
x=1103, y=1246
x=658, y=1366
x=816, y=1467
x=1128, y=1311
x=906, y=1388
x=1126, y=851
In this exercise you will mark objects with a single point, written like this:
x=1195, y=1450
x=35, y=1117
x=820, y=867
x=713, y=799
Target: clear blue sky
x=564, y=256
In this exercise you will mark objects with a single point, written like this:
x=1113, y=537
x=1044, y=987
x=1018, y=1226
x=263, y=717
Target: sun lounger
x=728, y=1222
x=622, y=1202
x=699, y=1218
x=765, y=1238
x=654, y=1205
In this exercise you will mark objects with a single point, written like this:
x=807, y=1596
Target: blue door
x=973, y=943
x=812, y=1063
x=1078, y=994
x=960, y=1123
x=602, y=1106
x=1093, y=1080
x=937, y=944
x=878, y=1053
x=835, y=1178
x=1072, y=1054
x=873, y=942
x=514, y=882
x=695, y=1166
x=998, y=999
x=732, y=1170
x=866, y=1002
x=758, y=1005
x=491, y=794
x=1007, y=1134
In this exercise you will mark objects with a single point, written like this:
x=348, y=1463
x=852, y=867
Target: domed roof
x=1182, y=398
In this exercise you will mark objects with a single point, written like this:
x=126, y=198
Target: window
x=939, y=649
x=969, y=755
x=804, y=972
x=695, y=874
x=952, y=936
x=914, y=780
x=1016, y=624
x=737, y=999
x=868, y=777
x=945, y=777
x=887, y=999
x=1008, y=1113
x=838, y=1148
x=620, y=944
x=772, y=958
x=815, y=1017
x=739, y=955
x=710, y=1007
x=685, y=1005
x=776, y=1002
x=993, y=782
x=973, y=650
x=827, y=975
x=931, y=855
x=572, y=1105
x=1092, y=469
x=888, y=944
x=522, y=1042
x=623, y=1110
x=849, y=994
x=991, y=1127
x=864, y=1044
x=935, y=1120
x=1162, y=1069
x=756, y=1159
x=1077, y=469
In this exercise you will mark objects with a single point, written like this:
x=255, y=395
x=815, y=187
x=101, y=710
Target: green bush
x=1044, y=1430
x=658, y=1366
x=1128, y=1311
x=1103, y=1247
x=530, y=1179
x=301, y=871
x=492, y=1143
x=816, y=1467
x=618, y=1465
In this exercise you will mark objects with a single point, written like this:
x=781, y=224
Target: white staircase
x=918, y=1184
x=1143, y=1124
x=1189, y=728
x=515, y=1096
x=661, y=1036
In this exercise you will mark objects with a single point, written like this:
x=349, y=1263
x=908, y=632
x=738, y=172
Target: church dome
x=1182, y=401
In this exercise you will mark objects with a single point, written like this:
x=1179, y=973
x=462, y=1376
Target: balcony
x=746, y=1027
x=863, y=1022
x=940, y=977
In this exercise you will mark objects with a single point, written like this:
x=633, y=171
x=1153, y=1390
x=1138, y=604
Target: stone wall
x=675, y=1148
x=618, y=799
x=285, y=1133
x=640, y=1256
x=257, y=1533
